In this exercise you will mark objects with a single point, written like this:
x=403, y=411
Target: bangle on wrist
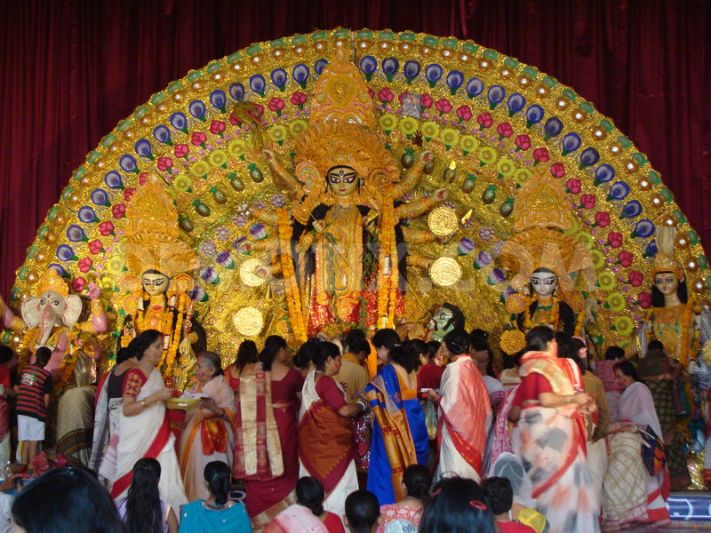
x=144, y=403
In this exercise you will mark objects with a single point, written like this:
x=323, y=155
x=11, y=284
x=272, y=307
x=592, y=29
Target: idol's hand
x=185, y=347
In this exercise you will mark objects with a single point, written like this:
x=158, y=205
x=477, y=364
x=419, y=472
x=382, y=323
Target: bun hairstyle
x=272, y=345
x=457, y=342
x=417, y=480
x=387, y=338
x=306, y=353
x=407, y=355
x=538, y=338
x=218, y=476
x=310, y=494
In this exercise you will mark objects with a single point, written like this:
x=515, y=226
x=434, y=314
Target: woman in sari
x=247, y=355
x=502, y=433
x=325, y=434
x=106, y=418
x=399, y=436
x=631, y=495
x=208, y=434
x=552, y=436
x=307, y=514
x=265, y=454
x=144, y=429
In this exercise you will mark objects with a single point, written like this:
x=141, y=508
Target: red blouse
x=328, y=391
x=531, y=387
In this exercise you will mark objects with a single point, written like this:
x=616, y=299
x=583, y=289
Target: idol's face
x=544, y=283
x=441, y=317
x=155, y=283
x=343, y=181
x=666, y=283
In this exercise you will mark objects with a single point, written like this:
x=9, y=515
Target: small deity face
x=155, y=283
x=544, y=282
x=666, y=283
x=441, y=323
x=342, y=180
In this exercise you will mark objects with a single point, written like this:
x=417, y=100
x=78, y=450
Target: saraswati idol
x=342, y=247
x=545, y=261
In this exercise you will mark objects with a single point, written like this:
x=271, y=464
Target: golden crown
x=338, y=144
x=539, y=203
x=51, y=281
x=341, y=95
x=342, y=126
x=540, y=220
x=152, y=235
x=664, y=260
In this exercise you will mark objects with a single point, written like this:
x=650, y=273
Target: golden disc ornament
x=248, y=273
x=445, y=272
x=248, y=321
x=443, y=221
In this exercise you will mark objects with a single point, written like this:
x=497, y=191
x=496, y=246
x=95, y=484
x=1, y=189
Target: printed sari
x=299, y=518
x=399, y=438
x=325, y=444
x=551, y=446
x=630, y=495
x=206, y=437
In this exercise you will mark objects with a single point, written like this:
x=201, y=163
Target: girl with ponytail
x=218, y=513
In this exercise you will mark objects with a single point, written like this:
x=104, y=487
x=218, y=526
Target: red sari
x=269, y=479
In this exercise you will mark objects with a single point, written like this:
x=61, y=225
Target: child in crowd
x=33, y=394
x=362, y=511
x=499, y=496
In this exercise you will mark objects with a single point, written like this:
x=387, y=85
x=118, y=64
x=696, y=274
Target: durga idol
x=343, y=250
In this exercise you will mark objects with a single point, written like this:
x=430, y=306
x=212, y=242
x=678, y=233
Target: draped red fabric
x=71, y=69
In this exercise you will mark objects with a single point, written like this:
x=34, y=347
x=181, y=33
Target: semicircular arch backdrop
x=491, y=121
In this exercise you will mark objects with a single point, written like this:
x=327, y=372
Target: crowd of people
x=357, y=434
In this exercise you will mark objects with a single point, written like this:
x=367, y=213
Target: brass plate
x=248, y=274
x=443, y=221
x=248, y=321
x=445, y=272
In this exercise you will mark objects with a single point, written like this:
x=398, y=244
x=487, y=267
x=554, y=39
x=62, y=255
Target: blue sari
x=399, y=436
x=196, y=518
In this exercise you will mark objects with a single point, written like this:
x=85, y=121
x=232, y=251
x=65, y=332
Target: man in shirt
x=353, y=376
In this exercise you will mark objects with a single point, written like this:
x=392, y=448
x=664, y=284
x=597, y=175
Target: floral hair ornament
x=478, y=504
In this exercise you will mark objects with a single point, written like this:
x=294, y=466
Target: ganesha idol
x=51, y=319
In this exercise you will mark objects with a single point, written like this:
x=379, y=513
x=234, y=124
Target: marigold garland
x=291, y=288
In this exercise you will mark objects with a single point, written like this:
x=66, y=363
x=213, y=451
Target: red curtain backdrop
x=71, y=69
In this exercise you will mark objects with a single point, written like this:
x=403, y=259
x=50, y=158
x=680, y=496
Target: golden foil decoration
x=445, y=272
x=248, y=321
x=248, y=273
x=443, y=221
